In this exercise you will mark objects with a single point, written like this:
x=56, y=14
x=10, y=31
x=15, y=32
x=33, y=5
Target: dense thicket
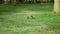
x=25, y=1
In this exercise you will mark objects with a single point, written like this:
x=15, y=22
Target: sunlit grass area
x=13, y=19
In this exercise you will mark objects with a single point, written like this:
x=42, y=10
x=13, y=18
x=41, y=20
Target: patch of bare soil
x=31, y=12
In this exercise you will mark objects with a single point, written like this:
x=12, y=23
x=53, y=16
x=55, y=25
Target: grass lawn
x=13, y=19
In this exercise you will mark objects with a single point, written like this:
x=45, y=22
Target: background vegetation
x=13, y=19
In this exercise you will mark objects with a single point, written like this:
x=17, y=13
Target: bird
x=32, y=17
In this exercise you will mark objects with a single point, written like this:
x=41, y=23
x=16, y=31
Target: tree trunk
x=14, y=2
x=41, y=2
x=57, y=6
x=5, y=1
x=0, y=1
x=34, y=1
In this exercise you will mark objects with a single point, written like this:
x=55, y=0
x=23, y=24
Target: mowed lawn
x=13, y=19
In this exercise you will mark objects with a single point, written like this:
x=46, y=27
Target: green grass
x=13, y=19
